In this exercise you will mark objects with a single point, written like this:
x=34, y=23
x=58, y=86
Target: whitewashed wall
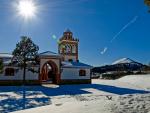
x=73, y=73
x=19, y=75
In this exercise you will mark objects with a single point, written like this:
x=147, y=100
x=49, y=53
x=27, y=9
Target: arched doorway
x=49, y=72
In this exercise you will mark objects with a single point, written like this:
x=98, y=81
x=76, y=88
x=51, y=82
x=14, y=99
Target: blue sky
x=94, y=22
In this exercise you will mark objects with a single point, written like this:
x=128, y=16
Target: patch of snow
x=5, y=55
x=138, y=103
x=73, y=107
x=128, y=95
x=66, y=64
x=141, y=81
x=123, y=61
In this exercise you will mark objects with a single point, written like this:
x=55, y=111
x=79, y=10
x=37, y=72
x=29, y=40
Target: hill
x=124, y=64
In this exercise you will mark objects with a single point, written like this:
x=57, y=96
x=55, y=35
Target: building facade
x=63, y=67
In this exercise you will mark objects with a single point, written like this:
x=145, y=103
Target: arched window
x=82, y=73
x=73, y=49
x=68, y=48
x=9, y=71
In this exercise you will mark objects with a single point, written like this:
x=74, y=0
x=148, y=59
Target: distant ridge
x=123, y=64
x=125, y=61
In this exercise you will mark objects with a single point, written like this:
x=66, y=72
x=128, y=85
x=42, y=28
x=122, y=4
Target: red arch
x=44, y=73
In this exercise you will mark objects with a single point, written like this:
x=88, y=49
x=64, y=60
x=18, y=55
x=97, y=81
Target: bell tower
x=68, y=46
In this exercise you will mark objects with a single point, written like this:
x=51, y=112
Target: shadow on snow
x=35, y=96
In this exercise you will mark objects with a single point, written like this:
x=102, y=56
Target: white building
x=61, y=68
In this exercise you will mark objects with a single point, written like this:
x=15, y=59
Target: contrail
x=117, y=34
x=124, y=28
x=104, y=50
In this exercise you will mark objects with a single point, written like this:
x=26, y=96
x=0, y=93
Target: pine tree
x=25, y=52
x=147, y=2
x=1, y=66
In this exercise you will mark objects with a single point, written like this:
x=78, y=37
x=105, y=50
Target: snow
x=123, y=61
x=75, y=64
x=5, y=55
x=130, y=94
x=141, y=81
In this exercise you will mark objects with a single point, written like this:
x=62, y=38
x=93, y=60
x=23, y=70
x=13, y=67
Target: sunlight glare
x=26, y=8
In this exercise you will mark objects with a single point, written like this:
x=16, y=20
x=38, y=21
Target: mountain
x=125, y=61
x=124, y=64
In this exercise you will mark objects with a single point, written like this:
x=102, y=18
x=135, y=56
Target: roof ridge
x=47, y=52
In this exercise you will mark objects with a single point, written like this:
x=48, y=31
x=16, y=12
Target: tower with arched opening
x=68, y=46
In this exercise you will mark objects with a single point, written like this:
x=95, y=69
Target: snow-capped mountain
x=125, y=61
x=124, y=64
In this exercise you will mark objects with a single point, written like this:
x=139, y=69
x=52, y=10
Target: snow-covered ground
x=130, y=94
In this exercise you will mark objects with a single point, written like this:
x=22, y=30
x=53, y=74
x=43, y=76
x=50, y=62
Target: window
x=9, y=72
x=68, y=48
x=82, y=73
x=73, y=49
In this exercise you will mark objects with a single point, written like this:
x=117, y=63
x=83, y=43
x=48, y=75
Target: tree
x=147, y=2
x=1, y=66
x=149, y=64
x=25, y=53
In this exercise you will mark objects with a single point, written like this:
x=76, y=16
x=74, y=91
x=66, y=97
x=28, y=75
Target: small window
x=9, y=72
x=82, y=73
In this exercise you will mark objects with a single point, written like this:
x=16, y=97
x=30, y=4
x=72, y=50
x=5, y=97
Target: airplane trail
x=124, y=28
x=104, y=50
x=121, y=30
